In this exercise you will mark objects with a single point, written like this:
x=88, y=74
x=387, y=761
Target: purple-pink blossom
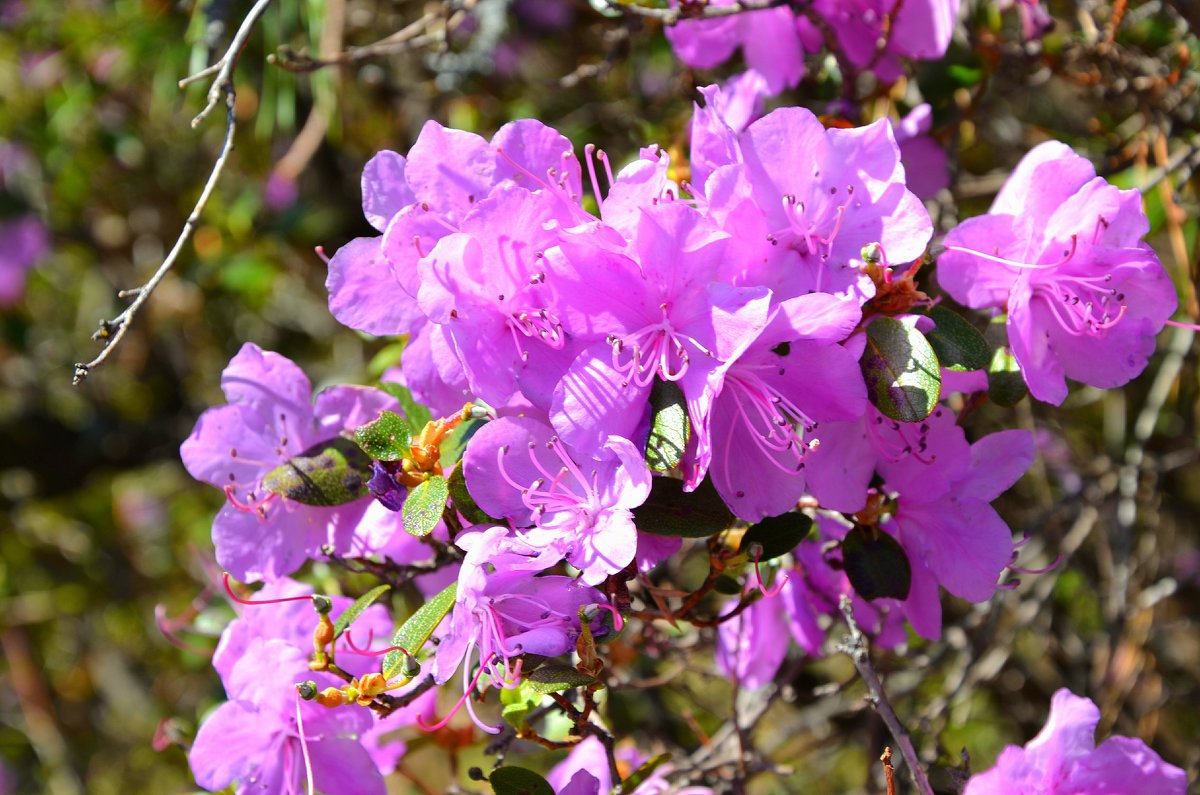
x=1064, y=760
x=1060, y=251
x=270, y=418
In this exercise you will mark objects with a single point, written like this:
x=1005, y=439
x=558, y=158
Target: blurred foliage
x=102, y=523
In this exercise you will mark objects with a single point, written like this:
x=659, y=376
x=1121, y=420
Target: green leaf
x=901, y=370
x=518, y=703
x=670, y=426
x=670, y=511
x=387, y=438
x=462, y=500
x=351, y=613
x=415, y=632
x=518, y=781
x=777, y=535
x=329, y=473
x=876, y=564
x=456, y=443
x=959, y=345
x=1006, y=382
x=418, y=416
x=424, y=505
x=555, y=678
x=644, y=771
x=727, y=585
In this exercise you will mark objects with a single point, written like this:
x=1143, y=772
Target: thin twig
x=110, y=332
x=855, y=645
x=412, y=36
x=691, y=9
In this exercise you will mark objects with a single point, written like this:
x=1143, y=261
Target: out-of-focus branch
x=687, y=9
x=110, y=332
x=417, y=34
x=855, y=646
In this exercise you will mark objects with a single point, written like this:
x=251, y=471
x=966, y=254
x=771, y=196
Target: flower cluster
x=756, y=335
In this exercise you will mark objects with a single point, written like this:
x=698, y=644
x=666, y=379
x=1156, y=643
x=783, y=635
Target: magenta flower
x=504, y=611
x=255, y=741
x=828, y=193
x=585, y=772
x=950, y=532
x=488, y=284
x=1064, y=760
x=765, y=417
x=23, y=241
x=656, y=311
x=773, y=42
x=720, y=116
x=921, y=30
x=575, y=505
x=269, y=419
x=925, y=160
x=415, y=201
x=1060, y=251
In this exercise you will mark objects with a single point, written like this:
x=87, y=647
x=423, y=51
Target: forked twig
x=111, y=331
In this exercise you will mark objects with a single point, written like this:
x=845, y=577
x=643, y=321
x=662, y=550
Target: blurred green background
x=101, y=523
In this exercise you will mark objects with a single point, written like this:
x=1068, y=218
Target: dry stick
x=889, y=772
x=855, y=645
x=111, y=331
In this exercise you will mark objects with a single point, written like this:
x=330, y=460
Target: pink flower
x=1064, y=760
x=1061, y=252
x=271, y=418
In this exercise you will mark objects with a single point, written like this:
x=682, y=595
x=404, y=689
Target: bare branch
x=110, y=332
x=412, y=36
x=855, y=645
x=689, y=9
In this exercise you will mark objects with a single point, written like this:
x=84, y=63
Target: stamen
x=229, y=590
x=591, y=167
x=758, y=576
x=1067, y=255
x=366, y=652
x=462, y=700
x=308, y=771
x=1057, y=561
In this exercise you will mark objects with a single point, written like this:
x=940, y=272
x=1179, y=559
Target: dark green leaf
x=727, y=585
x=455, y=444
x=415, y=632
x=901, y=370
x=670, y=426
x=518, y=781
x=351, y=613
x=777, y=535
x=670, y=511
x=1006, y=382
x=330, y=473
x=644, y=771
x=386, y=439
x=554, y=678
x=959, y=345
x=418, y=416
x=424, y=506
x=462, y=500
x=876, y=564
